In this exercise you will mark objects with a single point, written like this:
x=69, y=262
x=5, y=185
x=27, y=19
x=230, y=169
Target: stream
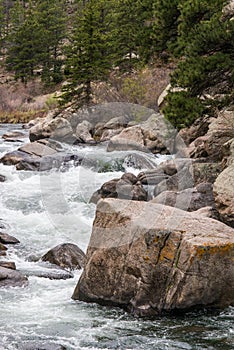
x=45, y=209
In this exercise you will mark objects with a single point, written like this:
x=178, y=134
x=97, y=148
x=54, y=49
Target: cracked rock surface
x=149, y=258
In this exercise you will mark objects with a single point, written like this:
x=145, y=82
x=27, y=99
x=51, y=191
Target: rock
x=224, y=195
x=107, y=134
x=149, y=258
x=208, y=212
x=190, y=199
x=2, y=178
x=12, y=278
x=37, y=149
x=7, y=239
x=205, y=172
x=228, y=11
x=14, y=136
x=2, y=247
x=127, y=187
x=66, y=255
x=83, y=132
x=221, y=130
x=56, y=128
x=129, y=139
x=47, y=270
x=41, y=346
x=8, y=265
x=37, y=156
x=197, y=129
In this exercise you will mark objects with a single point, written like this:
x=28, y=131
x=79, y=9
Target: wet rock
x=190, y=199
x=7, y=239
x=127, y=187
x=37, y=156
x=66, y=255
x=42, y=346
x=12, y=278
x=3, y=248
x=37, y=149
x=224, y=195
x=47, y=270
x=14, y=136
x=149, y=258
x=2, y=178
x=8, y=265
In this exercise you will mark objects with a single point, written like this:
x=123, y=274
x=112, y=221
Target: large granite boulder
x=224, y=195
x=83, y=132
x=150, y=258
x=57, y=128
x=66, y=255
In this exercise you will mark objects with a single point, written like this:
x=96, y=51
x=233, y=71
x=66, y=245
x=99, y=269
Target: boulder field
x=150, y=258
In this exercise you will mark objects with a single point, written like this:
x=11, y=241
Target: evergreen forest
x=76, y=43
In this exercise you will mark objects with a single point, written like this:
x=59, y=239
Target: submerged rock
x=7, y=239
x=2, y=178
x=66, y=255
x=150, y=258
x=42, y=346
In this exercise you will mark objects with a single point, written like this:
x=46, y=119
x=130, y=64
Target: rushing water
x=43, y=210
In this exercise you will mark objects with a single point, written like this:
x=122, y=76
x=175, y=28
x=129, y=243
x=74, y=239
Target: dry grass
x=141, y=87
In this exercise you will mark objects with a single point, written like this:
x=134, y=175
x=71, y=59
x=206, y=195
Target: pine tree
x=24, y=48
x=192, y=13
x=165, y=29
x=90, y=52
x=132, y=33
x=206, y=71
x=51, y=16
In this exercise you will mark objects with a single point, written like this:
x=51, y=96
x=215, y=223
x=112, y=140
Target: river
x=46, y=209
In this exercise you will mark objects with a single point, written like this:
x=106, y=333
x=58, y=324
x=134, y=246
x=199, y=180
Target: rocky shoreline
x=162, y=240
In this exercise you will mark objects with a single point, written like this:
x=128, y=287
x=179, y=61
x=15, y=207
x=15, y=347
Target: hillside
x=87, y=52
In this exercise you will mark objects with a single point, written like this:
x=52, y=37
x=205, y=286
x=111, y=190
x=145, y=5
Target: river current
x=46, y=209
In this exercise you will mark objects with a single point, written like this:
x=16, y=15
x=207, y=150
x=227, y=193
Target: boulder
x=2, y=178
x=224, y=195
x=190, y=199
x=7, y=239
x=3, y=248
x=66, y=255
x=127, y=187
x=221, y=130
x=42, y=346
x=8, y=265
x=57, y=128
x=14, y=136
x=12, y=278
x=129, y=139
x=83, y=132
x=47, y=270
x=39, y=156
x=149, y=259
